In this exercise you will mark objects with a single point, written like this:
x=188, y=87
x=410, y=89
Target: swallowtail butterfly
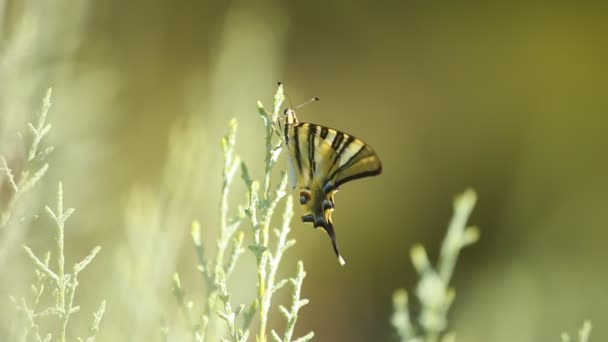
x=321, y=159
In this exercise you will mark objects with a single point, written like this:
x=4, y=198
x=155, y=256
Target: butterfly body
x=320, y=160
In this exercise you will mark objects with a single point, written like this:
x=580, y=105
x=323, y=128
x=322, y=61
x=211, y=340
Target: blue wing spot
x=326, y=204
x=308, y=218
x=328, y=187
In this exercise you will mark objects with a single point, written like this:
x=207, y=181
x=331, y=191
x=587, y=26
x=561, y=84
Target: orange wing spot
x=305, y=196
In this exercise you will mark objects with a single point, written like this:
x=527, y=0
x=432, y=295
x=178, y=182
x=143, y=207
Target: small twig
x=433, y=289
x=31, y=175
x=583, y=334
x=297, y=303
x=65, y=283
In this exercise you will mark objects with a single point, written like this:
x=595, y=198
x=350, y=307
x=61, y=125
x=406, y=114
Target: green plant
x=433, y=289
x=20, y=175
x=62, y=283
x=583, y=333
x=32, y=171
x=262, y=201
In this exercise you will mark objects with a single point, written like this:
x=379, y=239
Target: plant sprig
x=31, y=174
x=262, y=200
x=583, y=334
x=433, y=289
x=64, y=284
x=291, y=315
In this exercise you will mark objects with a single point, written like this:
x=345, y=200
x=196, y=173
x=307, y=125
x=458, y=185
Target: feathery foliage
x=35, y=166
x=583, y=334
x=433, y=289
x=62, y=283
x=262, y=200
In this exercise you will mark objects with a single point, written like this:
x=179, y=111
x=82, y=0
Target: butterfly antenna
x=307, y=102
x=291, y=103
x=289, y=99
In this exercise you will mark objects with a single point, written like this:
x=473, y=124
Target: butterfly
x=321, y=159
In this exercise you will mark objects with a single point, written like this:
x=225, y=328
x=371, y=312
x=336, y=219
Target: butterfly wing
x=354, y=159
x=323, y=159
x=292, y=176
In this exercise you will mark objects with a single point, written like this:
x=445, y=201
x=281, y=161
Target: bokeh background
x=508, y=99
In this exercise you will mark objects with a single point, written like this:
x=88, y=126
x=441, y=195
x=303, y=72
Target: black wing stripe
x=337, y=140
x=347, y=163
x=296, y=140
x=339, y=149
x=334, y=135
x=286, y=132
x=334, y=145
x=311, y=149
x=348, y=141
x=359, y=175
x=324, y=131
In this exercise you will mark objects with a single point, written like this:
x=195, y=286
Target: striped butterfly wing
x=322, y=159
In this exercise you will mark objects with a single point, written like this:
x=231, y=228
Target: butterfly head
x=290, y=116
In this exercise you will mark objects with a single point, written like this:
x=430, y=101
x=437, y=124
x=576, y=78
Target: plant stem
x=268, y=204
x=61, y=264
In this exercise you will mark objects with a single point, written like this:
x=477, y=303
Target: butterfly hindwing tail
x=322, y=206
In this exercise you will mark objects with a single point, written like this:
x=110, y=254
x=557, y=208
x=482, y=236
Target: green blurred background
x=508, y=99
